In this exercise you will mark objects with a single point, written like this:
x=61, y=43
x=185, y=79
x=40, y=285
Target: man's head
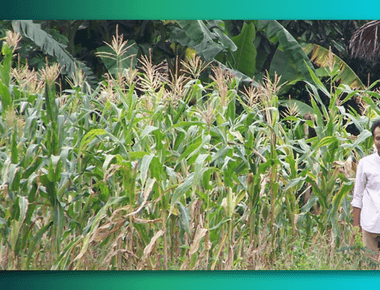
x=376, y=134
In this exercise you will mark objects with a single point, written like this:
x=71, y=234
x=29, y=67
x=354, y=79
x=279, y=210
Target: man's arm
x=357, y=212
x=357, y=201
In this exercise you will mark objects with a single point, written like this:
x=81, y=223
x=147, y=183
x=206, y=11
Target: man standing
x=366, y=198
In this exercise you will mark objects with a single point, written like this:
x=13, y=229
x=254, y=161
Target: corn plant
x=160, y=170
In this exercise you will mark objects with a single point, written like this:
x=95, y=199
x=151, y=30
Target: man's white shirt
x=367, y=192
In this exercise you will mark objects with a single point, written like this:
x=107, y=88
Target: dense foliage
x=163, y=169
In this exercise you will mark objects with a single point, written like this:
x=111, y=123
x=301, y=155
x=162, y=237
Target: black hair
x=374, y=126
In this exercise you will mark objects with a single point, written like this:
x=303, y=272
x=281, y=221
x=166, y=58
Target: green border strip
x=195, y=9
x=188, y=280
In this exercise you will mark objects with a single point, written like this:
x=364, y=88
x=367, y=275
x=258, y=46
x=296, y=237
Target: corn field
x=160, y=171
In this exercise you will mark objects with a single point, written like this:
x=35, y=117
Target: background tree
x=248, y=48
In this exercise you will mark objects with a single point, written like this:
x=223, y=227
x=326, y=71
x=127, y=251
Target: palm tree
x=365, y=42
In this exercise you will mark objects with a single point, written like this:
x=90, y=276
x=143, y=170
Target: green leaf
x=49, y=45
x=145, y=167
x=319, y=56
x=196, y=30
x=310, y=203
x=326, y=141
x=114, y=63
x=59, y=222
x=199, y=167
x=182, y=189
x=185, y=124
x=37, y=238
x=245, y=55
x=276, y=33
x=318, y=83
x=220, y=153
x=14, y=157
x=302, y=108
x=107, y=161
x=65, y=256
x=6, y=98
x=90, y=136
x=344, y=190
x=6, y=64
x=137, y=155
x=227, y=219
x=185, y=217
x=364, y=135
x=218, y=29
x=190, y=150
x=148, y=129
x=13, y=179
x=22, y=207
x=202, y=39
x=23, y=204
x=288, y=71
x=93, y=224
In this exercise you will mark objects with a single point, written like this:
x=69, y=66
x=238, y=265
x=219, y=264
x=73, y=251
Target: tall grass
x=174, y=178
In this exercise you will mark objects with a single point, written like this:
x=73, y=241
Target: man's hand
x=357, y=212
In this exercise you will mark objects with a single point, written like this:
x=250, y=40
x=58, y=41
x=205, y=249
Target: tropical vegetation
x=196, y=162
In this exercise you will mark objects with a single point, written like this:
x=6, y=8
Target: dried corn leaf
x=148, y=249
x=198, y=236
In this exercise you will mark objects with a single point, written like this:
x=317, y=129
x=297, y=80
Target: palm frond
x=365, y=42
x=324, y=58
x=52, y=47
